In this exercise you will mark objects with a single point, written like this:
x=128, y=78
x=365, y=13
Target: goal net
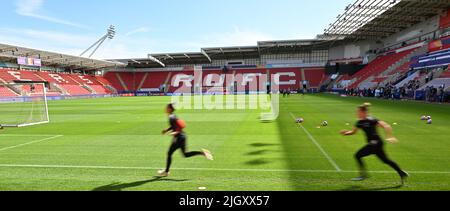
x=23, y=104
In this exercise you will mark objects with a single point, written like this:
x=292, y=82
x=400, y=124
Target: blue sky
x=161, y=26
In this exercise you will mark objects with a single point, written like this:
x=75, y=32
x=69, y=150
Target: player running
x=179, y=141
x=375, y=147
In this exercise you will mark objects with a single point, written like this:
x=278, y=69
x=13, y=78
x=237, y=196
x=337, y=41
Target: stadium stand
x=6, y=92
x=170, y=79
x=213, y=81
x=437, y=83
x=75, y=89
x=78, y=79
x=314, y=76
x=27, y=75
x=9, y=75
x=99, y=84
x=174, y=86
x=60, y=83
x=99, y=89
x=115, y=81
x=155, y=80
x=413, y=76
x=129, y=80
x=298, y=77
x=377, y=67
x=446, y=74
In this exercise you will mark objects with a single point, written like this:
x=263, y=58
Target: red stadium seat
x=445, y=74
x=9, y=75
x=314, y=76
x=99, y=89
x=114, y=81
x=75, y=90
x=378, y=66
x=6, y=92
x=71, y=83
x=154, y=80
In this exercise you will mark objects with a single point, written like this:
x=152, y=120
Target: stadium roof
x=206, y=55
x=10, y=52
x=375, y=19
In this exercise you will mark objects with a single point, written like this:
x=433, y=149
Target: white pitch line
x=207, y=169
x=332, y=162
x=25, y=135
x=153, y=168
x=28, y=143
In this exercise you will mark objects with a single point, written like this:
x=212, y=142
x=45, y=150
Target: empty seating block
x=446, y=74
x=314, y=76
x=6, y=92
x=99, y=89
x=378, y=66
x=75, y=90
x=114, y=81
x=9, y=75
x=438, y=82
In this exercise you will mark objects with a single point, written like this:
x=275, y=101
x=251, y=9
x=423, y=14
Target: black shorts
x=372, y=148
x=178, y=142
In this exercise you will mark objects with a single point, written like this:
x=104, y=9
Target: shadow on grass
x=257, y=162
x=259, y=152
x=262, y=145
x=359, y=188
x=122, y=186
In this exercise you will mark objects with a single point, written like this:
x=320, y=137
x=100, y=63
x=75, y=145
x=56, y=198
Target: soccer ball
x=423, y=118
x=299, y=120
x=428, y=117
x=430, y=121
x=324, y=123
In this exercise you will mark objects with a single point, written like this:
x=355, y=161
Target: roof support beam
x=155, y=60
x=206, y=55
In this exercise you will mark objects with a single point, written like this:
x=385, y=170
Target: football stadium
x=362, y=106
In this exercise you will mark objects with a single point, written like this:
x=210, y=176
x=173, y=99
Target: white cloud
x=32, y=8
x=46, y=40
x=40, y=37
x=73, y=44
x=28, y=6
x=123, y=46
x=137, y=31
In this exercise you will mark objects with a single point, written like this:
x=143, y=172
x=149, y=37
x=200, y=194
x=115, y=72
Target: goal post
x=23, y=103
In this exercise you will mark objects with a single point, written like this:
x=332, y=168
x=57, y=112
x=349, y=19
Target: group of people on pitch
x=366, y=123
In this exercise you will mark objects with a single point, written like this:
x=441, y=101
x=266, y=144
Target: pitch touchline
x=332, y=162
x=31, y=142
x=208, y=169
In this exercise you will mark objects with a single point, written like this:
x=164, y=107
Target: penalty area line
x=31, y=142
x=332, y=162
x=26, y=135
x=206, y=169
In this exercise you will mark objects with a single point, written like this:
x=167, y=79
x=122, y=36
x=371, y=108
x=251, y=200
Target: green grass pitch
x=115, y=144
